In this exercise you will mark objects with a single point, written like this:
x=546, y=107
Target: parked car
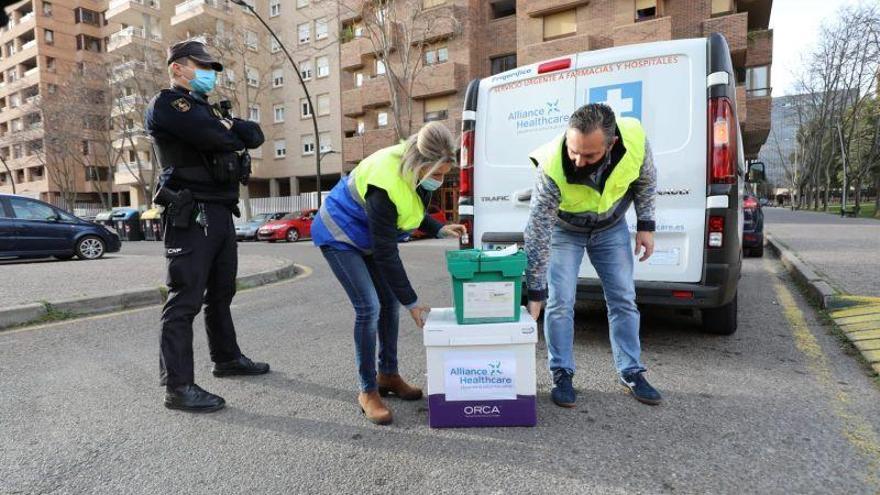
x=291, y=227
x=765, y=202
x=30, y=228
x=247, y=231
x=674, y=88
x=753, y=227
x=437, y=214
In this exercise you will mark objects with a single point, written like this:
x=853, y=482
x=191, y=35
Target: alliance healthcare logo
x=548, y=116
x=492, y=375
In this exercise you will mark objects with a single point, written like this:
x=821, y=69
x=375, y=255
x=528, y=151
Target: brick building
x=488, y=37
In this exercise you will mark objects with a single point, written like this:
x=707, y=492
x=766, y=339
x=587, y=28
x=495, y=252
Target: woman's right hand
x=419, y=314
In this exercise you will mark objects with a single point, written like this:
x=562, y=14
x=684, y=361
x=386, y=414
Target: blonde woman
x=358, y=228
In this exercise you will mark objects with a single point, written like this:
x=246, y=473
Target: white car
x=683, y=92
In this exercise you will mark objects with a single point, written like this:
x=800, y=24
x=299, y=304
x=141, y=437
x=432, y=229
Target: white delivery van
x=683, y=92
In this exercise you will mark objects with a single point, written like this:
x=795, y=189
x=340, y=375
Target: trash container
x=151, y=224
x=487, y=285
x=103, y=218
x=127, y=224
x=480, y=375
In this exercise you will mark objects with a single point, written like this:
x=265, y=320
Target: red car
x=437, y=214
x=291, y=227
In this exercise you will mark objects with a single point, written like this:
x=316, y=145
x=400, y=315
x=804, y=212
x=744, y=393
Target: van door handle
x=522, y=197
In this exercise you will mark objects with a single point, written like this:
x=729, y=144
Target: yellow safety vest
x=382, y=170
x=578, y=198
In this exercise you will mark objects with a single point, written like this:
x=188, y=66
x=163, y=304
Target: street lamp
x=302, y=83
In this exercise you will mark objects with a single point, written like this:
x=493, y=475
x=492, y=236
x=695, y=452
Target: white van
x=683, y=92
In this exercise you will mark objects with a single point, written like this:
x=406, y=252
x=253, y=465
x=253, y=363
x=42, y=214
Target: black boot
x=241, y=366
x=193, y=399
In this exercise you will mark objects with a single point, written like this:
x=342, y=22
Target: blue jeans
x=611, y=254
x=376, y=312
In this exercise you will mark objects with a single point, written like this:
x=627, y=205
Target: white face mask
x=430, y=184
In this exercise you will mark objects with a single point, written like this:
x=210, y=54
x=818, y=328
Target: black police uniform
x=202, y=258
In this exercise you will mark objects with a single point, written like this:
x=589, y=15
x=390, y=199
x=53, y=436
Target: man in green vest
x=586, y=181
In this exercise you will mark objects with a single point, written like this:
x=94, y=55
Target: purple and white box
x=480, y=375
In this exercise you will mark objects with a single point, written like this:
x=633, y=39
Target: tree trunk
x=877, y=195
x=858, y=196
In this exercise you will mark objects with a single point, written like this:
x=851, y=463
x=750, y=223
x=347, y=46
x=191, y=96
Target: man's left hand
x=646, y=240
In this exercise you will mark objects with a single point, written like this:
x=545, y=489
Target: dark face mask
x=604, y=160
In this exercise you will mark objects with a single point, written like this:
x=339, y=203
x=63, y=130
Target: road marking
x=856, y=429
x=304, y=272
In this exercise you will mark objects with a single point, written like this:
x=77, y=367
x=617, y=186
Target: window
x=326, y=144
x=503, y=63
x=380, y=67
x=47, y=9
x=49, y=36
x=88, y=43
x=94, y=174
x=50, y=64
x=361, y=127
x=305, y=69
x=253, y=77
x=321, y=28
x=436, y=109
x=277, y=78
x=280, y=148
x=382, y=119
x=308, y=144
x=432, y=3
x=560, y=24
x=250, y=40
x=503, y=8
x=358, y=79
x=25, y=209
x=305, y=108
x=278, y=110
x=274, y=8
x=646, y=9
x=323, y=64
x=229, y=77
x=304, y=33
x=722, y=7
x=436, y=56
x=758, y=81
x=323, y=104
x=302, y=3
x=275, y=47
x=254, y=113
x=51, y=88
x=84, y=147
x=87, y=16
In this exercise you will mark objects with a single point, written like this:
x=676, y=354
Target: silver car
x=247, y=231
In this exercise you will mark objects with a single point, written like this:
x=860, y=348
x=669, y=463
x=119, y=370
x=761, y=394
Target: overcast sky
x=795, y=25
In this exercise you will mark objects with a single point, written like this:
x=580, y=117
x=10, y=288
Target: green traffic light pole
x=302, y=83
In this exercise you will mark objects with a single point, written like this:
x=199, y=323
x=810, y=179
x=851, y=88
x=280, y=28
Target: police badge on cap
x=195, y=50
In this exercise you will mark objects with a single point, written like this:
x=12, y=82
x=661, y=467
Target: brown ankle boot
x=394, y=385
x=373, y=408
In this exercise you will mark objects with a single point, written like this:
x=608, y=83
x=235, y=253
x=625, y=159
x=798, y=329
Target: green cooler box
x=487, y=285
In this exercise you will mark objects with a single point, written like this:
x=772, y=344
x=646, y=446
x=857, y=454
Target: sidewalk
x=839, y=261
x=133, y=277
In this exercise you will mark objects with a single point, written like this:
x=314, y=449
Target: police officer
x=203, y=154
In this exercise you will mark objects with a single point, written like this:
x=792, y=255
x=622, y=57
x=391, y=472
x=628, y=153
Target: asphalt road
x=776, y=408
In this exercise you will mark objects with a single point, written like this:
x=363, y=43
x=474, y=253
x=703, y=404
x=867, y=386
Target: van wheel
x=90, y=248
x=721, y=321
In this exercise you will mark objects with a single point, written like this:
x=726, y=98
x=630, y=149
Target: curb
x=31, y=313
x=857, y=317
x=817, y=288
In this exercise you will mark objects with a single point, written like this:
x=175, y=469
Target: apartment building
x=481, y=38
x=44, y=47
x=258, y=80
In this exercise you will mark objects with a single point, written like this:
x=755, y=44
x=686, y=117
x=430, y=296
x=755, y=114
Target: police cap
x=195, y=50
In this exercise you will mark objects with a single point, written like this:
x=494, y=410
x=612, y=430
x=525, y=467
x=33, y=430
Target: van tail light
x=722, y=141
x=716, y=231
x=466, y=189
x=683, y=294
x=554, y=65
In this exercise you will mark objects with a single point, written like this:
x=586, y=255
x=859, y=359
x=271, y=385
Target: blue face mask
x=430, y=184
x=204, y=81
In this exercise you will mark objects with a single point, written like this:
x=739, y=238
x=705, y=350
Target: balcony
x=735, y=28
x=353, y=102
x=757, y=126
x=540, y=8
x=546, y=50
x=437, y=23
x=127, y=104
x=352, y=54
x=127, y=70
x=375, y=92
x=124, y=139
x=132, y=11
x=134, y=36
x=438, y=80
x=193, y=9
x=659, y=29
x=127, y=173
x=356, y=148
x=759, y=12
x=30, y=44
x=760, y=48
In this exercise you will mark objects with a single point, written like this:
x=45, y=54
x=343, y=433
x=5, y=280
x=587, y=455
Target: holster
x=178, y=205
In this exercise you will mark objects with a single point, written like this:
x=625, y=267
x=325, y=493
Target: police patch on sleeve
x=181, y=105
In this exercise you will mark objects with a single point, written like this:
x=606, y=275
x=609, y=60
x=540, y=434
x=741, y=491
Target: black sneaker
x=241, y=366
x=563, y=393
x=192, y=398
x=640, y=389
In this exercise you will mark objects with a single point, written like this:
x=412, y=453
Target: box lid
x=441, y=329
